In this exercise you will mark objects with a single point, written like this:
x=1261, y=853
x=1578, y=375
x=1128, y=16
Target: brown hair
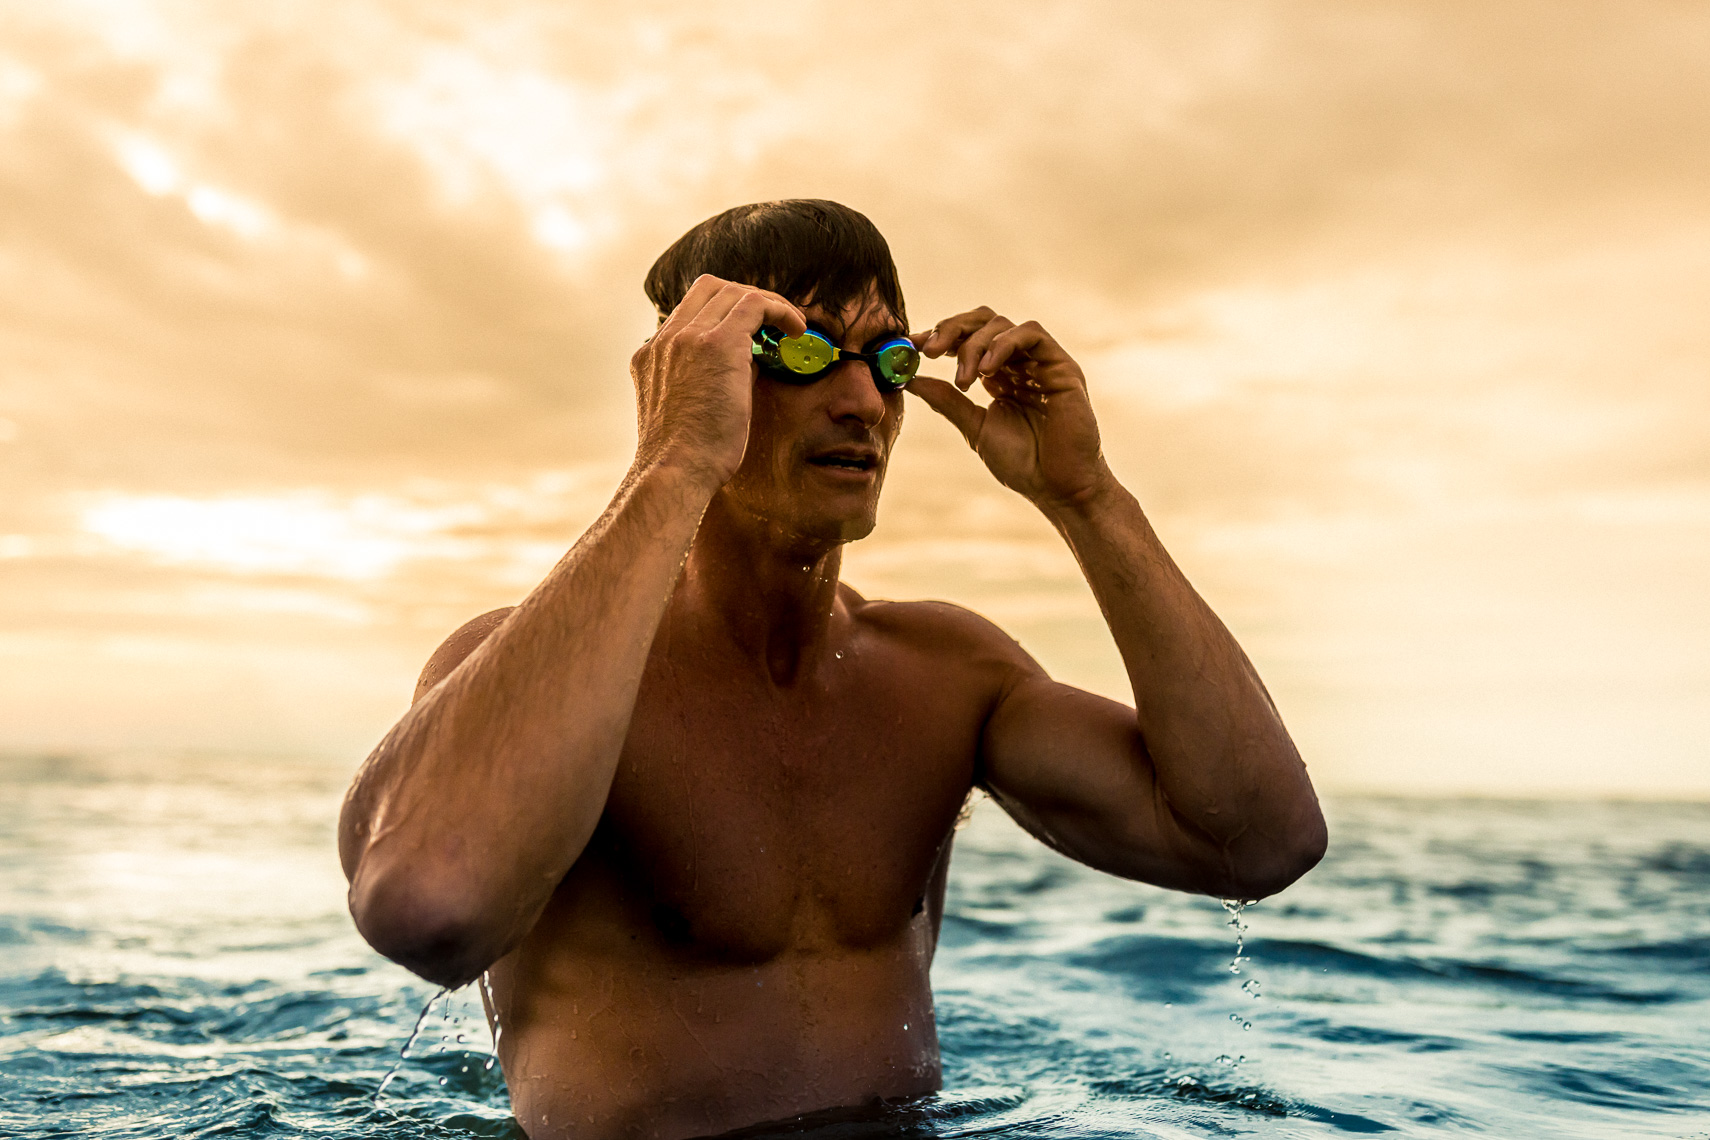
x=807, y=249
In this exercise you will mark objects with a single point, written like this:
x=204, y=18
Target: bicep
x=1073, y=769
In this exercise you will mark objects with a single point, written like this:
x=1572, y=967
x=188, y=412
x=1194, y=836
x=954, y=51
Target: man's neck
x=772, y=593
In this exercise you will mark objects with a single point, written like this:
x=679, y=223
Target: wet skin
x=749, y=930
x=699, y=839
x=748, y=934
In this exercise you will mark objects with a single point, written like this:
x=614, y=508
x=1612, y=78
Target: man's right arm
x=462, y=822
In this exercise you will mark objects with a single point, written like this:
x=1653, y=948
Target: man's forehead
x=867, y=317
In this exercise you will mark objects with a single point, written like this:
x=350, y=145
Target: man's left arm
x=1199, y=786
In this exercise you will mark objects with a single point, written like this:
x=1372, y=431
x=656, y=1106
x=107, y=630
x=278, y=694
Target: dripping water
x=493, y=1011
x=408, y=1041
x=1235, y=907
x=449, y=1026
x=1250, y=987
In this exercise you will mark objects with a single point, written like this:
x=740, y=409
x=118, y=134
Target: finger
x=1001, y=391
x=704, y=287
x=720, y=304
x=974, y=347
x=947, y=334
x=1025, y=339
x=944, y=398
x=763, y=307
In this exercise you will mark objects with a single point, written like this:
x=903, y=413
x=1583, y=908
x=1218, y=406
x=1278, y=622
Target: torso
x=749, y=932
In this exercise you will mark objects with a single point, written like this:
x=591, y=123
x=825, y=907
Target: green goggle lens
x=806, y=355
x=805, y=358
x=898, y=362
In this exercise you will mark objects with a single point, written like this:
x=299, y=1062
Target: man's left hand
x=1038, y=435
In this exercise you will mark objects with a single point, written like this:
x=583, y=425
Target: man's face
x=817, y=452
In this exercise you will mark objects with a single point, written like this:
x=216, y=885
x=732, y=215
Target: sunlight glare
x=366, y=538
x=149, y=166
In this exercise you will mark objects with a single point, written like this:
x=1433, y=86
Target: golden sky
x=314, y=323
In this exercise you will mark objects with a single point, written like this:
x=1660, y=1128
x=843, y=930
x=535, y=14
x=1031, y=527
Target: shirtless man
x=690, y=804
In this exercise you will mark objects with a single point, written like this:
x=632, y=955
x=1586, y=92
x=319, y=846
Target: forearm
x=1222, y=762
x=467, y=815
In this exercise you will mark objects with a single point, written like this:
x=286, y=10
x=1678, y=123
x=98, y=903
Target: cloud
x=1390, y=312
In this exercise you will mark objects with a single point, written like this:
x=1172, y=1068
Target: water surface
x=175, y=960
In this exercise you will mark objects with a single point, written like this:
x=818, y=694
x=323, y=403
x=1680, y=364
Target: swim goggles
x=808, y=357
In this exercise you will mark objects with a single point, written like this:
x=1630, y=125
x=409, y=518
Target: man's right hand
x=694, y=378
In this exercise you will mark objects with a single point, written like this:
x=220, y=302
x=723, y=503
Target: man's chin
x=837, y=528
x=840, y=517
x=853, y=530
x=813, y=516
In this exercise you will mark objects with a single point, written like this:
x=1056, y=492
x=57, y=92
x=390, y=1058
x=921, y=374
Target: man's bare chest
x=747, y=816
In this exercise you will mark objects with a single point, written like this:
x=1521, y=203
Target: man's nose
x=854, y=395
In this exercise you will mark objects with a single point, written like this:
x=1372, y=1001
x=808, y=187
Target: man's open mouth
x=846, y=460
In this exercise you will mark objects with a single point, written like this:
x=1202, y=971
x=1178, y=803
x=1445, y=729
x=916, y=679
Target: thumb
x=948, y=401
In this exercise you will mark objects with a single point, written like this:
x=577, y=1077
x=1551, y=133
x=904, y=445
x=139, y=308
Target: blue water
x=175, y=961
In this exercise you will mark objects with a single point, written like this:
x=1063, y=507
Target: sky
x=315, y=321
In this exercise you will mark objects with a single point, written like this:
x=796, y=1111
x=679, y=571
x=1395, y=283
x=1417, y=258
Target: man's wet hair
x=806, y=249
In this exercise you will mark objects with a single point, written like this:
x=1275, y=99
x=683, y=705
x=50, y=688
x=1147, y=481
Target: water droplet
x=498, y=1029
x=905, y=1026
x=1235, y=907
x=421, y=1020
x=1246, y=1025
x=442, y=1080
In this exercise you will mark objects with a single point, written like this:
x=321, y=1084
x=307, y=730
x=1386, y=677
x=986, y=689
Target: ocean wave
x=1506, y=969
x=1150, y=962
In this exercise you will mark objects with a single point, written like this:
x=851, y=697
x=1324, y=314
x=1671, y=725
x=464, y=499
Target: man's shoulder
x=464, y=641
x=937, y=628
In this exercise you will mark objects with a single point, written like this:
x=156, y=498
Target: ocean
x=176, y=961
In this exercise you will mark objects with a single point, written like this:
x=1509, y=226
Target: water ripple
x=1463, y=966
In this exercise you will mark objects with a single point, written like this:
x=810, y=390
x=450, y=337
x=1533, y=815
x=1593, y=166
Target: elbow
x=433, y=929
x=1278, y=864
